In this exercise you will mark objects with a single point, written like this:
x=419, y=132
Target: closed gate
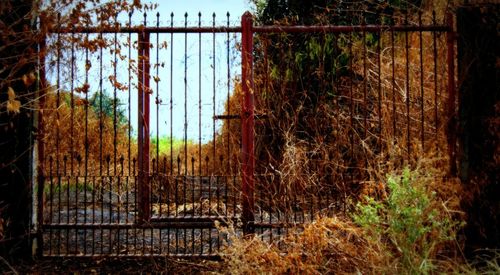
x=149, y=133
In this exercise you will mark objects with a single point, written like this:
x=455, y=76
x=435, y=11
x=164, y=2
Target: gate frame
x=247, y=123
x=247, y=116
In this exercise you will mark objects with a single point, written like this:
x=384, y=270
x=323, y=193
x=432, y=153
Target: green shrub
x=410, y=221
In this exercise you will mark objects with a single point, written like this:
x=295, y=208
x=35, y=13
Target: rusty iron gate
x=106, y=187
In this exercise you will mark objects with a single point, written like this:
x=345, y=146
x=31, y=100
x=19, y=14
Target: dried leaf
x=11, y=93
x=84, y=89
x=32, y=76
x=13, y=105
x=28, y=79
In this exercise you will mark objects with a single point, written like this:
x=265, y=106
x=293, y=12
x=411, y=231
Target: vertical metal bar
x=115, y=83
x=214, y=162
x=129, y=134
x=158, y=101
x=176, y=202
x=451, y=136
x=58, y=132
x=119, y=202
x=68, y=178
x=72, y=100
x=109, y=178
x=177, y=186
x=167, y=195
x=422, y=100
x=115, y=130
x=140, y=123
x=228, y=105
x=199, y=100
x=41, y=147
x=101, y=123
x=170, y=177
x=144, y=92
x=228, y=100
x=51, y=208
x=248, y=158
x=209, y=177
x=200, y=160
x=147, y=92
x=217, y=184
x=185, y=107
x=185, y=164
x=101, y=198
x=192, y=202
x=393, y=65
x=379, y=88
x=86, y=141
x=408, y=94
x=171, y=93
x=214, y=143
x=85, y=174
x=351, y=113
x=134, y=173
x=101, y=130
x=365, y=85
x=434, y=47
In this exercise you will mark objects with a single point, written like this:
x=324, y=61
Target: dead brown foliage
x=328, y=245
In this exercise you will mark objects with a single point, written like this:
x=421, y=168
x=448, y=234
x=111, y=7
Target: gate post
x=40, y=147
x=143, y=125
x=451, y=131
x=247, y=122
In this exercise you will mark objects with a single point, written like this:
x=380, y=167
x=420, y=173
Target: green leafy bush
x=410, y=220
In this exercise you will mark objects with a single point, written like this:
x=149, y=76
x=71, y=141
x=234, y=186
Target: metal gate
x=110, y=186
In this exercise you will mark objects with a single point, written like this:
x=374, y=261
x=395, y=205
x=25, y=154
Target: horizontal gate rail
x=261, y=29
x=348, y=29
x=149, y=30
x=163, y=223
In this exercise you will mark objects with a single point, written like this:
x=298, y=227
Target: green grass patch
x=165, y=144
x=79, y=186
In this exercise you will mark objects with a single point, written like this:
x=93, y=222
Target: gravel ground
x=113, y=266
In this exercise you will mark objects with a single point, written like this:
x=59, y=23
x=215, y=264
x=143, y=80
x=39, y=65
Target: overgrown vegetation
x=344, y=113
x=407, y=225
x=78, y=123
x=340, y=114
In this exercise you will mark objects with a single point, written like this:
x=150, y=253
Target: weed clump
x=411, y=223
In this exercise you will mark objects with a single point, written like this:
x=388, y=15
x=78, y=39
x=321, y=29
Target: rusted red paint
x=143, y=125
x=247, y=120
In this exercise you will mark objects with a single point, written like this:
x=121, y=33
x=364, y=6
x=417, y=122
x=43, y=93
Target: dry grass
x=67, y=130
x=328, y=245
x=336, y=244
x=364, y=125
